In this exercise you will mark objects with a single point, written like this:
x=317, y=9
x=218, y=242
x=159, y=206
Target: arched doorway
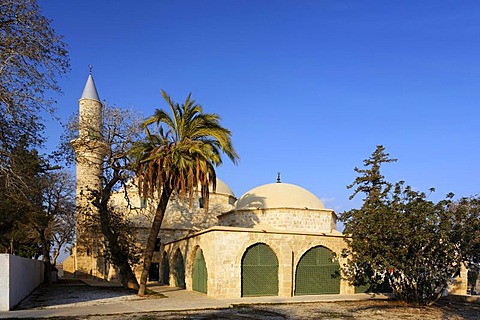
x=259, y=271
x=199, y=272
x=179, y=272
x=165, y=269
x=318, y=272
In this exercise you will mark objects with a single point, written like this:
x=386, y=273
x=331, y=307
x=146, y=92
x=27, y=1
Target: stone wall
x=304, y=220
x=179, y=215
x=224, y=247
x=179, y=221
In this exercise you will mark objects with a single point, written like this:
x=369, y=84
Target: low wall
x=18, y=278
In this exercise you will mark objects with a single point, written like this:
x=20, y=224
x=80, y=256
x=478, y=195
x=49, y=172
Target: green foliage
x=34, y=212
x=32, y=57
x=179, y=156
x=19, y=202
x=184, y=152
x=371, y=181
x=400, y=237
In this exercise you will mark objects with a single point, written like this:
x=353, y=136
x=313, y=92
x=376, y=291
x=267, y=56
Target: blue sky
x=308, y=87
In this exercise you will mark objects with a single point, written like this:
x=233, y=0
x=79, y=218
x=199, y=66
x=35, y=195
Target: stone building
x=87, y=258
x=277, y=239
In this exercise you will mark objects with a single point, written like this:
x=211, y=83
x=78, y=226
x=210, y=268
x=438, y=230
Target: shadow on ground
x=70, y=294
x=70, y=291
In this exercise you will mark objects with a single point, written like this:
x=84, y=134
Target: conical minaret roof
x=90, y=91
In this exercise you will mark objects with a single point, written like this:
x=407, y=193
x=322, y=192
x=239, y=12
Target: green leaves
x=182, y=150
x=400, y=237
x=178, y=156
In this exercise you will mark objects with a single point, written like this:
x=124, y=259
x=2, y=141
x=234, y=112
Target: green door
x=318, y=272
x=179, y=273
x=259, y=271
x=199, y=273
x=165, y=270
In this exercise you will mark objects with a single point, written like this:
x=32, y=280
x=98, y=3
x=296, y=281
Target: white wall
x=18, y=278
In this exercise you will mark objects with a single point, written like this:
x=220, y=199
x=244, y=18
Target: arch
x=179, y=270
x=259, y=271
x=199, y=272
x=165, y=269
x=318, y=272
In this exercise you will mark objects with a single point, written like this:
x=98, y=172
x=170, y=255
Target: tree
x=401, y=238
x=32, y=56
x=52, y=224
x=34, y=215
x=121, y=128
x=179, y=158
x=364, y=225
x=19, y=203
x=63, y=234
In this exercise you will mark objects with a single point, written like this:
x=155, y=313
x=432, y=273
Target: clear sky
x=308, y=87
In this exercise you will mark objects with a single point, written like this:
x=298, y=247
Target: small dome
x=279, y=195
x=222, y=188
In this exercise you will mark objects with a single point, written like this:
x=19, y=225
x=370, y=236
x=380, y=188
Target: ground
x=362, y=310
x=74, y=294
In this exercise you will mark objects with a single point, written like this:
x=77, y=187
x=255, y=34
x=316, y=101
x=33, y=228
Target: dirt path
x=362, y=310
x=73, y=294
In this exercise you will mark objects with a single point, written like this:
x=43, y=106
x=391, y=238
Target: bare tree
x=32, y=56
x=63, y=235
x=120, y=129
x=54, y=223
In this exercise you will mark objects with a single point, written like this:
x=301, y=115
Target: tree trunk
x=154, y=230
x=119, y=258
x=47, y=276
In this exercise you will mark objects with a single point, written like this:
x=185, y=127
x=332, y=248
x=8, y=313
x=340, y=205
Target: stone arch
x=179, y=269
x=323, y=243
x=259, y=274
x=317, y=272
x=199, y=271
x=279, y=249
x=304, y=248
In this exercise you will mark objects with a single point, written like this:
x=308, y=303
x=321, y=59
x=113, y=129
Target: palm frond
x=184, y=152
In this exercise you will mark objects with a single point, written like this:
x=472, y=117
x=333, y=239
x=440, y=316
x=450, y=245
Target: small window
x=201, y=203
x=143, y=203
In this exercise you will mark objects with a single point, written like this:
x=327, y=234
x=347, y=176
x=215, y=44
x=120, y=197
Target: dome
x=222, y=188
x=279, y=195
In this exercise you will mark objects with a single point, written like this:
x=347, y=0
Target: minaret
x=90, y=150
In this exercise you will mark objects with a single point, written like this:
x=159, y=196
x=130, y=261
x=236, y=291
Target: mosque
x=277, y=239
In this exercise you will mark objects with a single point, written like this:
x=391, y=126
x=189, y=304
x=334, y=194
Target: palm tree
x=179, y=158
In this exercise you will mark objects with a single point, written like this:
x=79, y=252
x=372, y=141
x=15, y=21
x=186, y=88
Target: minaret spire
x=90, y=90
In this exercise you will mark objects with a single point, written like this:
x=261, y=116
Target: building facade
x=277, y=239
